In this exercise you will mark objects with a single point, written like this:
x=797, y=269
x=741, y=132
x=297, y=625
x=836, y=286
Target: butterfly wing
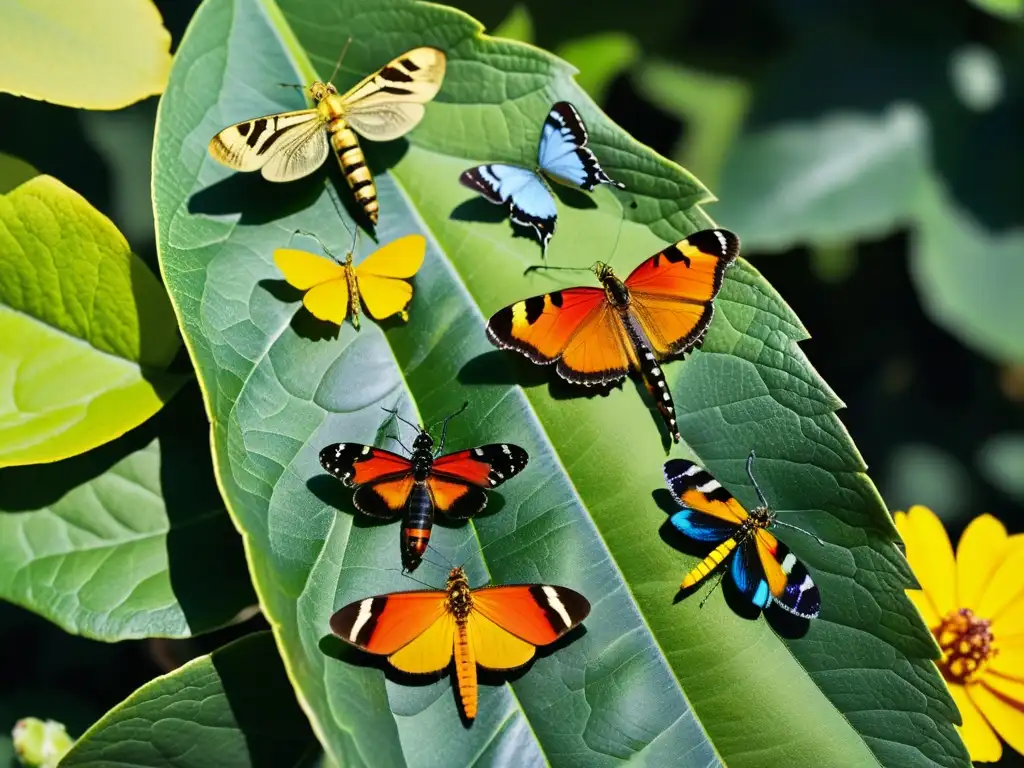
x=788, y=580
x=456, y=480
x=323, y=279
x=389, y=103
x=287, y=146
x=382, y=276
x=563, y=153
x=673, y=292
x=494, y=647
x=536, y=613
x=383, y=480
x=529, y=200
x=710, y=512
x=575, y=327
x=385, y=624
x=749, y=575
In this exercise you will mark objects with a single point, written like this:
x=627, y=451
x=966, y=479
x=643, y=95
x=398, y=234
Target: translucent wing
x=528, y=198
x=259, y=143
x=563, y=153
x=389, y=103
x=382, y=276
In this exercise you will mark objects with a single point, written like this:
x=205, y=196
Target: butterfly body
x=387, y=485
x=497, y=627
x=762, y=567
x=334, y=290
x=595, y=336
x=291, y=145
x=562, y=156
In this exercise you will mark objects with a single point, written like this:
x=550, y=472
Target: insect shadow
x=334, y=647
x=257, y=200
x=304, y=323
x=783, y=622
x=508, y=368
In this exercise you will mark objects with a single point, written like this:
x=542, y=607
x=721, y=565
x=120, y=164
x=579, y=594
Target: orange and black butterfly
x=388, y=485
x=762, y=567
x=495, y=627
x=597, y=335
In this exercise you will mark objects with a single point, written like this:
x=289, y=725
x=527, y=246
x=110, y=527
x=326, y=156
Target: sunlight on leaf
x=87, y=327
x=80, y=54
x=600, y=59
x=518, y=25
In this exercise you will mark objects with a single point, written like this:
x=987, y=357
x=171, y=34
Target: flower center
x=967, y=645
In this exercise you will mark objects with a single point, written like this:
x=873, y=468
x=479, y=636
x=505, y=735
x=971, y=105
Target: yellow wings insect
x=384, y=106
x=333, y=290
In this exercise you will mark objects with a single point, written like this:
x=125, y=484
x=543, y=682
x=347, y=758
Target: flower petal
x=924, y=605
x=1005, y=590
x=1012, y=690
x=981, y=550
x=982, y=743
x=1009, y=658
x=930, y=555
x=1010, y=621
x=1001, y=713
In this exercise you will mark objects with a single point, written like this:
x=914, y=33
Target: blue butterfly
x=563, y=155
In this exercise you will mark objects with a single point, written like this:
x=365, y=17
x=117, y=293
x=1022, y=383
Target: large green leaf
x=230, y=709
x=650, y=678
x=128, y=540
x=88, y=331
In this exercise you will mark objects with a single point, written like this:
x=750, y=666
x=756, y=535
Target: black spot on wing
x=243, y=128
x=259, y=126
x=717, y=242
x=556, y=298
x=575, y=605
x=534, y=309
x=395, y=75
x=410, y=65
x=499, y=327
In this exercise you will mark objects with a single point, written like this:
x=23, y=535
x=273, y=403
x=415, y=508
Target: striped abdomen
x=353, y=165
x=465, y=669
x=709, y=563
x=653, y=376
x=419, y=519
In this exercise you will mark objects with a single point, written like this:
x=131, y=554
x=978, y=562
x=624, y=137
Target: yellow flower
x=974, y=605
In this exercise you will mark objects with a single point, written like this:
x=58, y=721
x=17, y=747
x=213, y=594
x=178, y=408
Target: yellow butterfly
x=384, y=106
x=333, y=288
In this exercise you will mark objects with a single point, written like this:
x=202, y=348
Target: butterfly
x=762, y=567
x=495, y=627
x=384, y=106
x=563, y=155
x=597, y=335
x=333, y=289
x=388, y=485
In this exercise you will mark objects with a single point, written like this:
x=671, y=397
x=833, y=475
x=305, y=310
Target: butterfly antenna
x=340, y=59
x=307, y=233
x=398, y=440
x=618, y=234
x=711, y=591
x=394, y=412
x=292, y=85
x=444, y=426
x=802, y=530
x=408, y=575
x=750, y=474
x=444, y=557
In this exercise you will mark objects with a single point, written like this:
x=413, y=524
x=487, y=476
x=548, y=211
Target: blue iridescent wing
x=748, y=574
x=529, y=201
x=563, y=152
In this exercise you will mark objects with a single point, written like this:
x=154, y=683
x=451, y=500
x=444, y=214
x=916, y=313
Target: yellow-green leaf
x=87, y=328
x=93, y=55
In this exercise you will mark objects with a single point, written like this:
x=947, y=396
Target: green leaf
x=517, y=25
x=231, y=709
x=711, y=106
x=96, y=56
x=128, y=540
x=13, y=172
x=969, y=277
x=600, y=59
x=74, y=298
x=1007, y=9
x=650, y=679
x=846, y=177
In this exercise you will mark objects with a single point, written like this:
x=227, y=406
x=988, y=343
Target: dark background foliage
x=937, y=419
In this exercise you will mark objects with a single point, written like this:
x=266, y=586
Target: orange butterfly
x=597, y=335
x=495, y=627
